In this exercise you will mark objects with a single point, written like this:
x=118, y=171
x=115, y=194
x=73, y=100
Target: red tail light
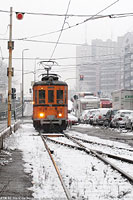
x=100, y=117
x=119, y=118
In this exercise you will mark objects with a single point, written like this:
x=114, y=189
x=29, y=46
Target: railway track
x=83, y=175
x=98, y=143
x=57, y=169
x=99, y=154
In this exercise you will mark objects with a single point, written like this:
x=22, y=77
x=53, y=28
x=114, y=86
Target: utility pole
x=23, y=81
x=10, y=69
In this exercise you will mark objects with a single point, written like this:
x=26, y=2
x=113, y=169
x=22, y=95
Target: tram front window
x=41, y=96
x=60, y=96
x=50, y=96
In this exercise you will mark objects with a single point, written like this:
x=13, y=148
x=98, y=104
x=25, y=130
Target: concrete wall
x=7, y=132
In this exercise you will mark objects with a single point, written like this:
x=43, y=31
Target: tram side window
x=50, y=96
x=35, y=96
x=41, y=96
x=60, y=96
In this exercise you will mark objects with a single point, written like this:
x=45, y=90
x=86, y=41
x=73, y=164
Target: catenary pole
x=10, y=70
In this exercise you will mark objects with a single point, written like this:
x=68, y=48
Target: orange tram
x=50, y=104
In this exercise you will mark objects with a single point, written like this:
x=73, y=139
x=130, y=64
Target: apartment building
x=101, y=68
x=127, y=75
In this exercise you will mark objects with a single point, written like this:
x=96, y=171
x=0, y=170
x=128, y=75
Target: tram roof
x=50, y=83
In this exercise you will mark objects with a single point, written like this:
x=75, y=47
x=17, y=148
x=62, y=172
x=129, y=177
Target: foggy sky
x=35, y=23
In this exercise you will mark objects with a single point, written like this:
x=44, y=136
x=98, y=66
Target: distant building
x=107, y=55
x=85, y=69
x=127, y=75
x=100, y=64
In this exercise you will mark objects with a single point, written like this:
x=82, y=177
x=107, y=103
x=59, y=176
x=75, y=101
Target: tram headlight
x=41, y=115
x=60, y=114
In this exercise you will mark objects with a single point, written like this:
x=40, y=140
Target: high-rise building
x=127, y=75
x=101, y=67
x=85, y=69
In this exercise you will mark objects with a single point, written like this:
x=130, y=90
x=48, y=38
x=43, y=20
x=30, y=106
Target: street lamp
x=23, y=81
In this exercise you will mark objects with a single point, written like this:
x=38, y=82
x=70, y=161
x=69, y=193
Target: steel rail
x=86, y=141
x=108, y=154
x=126, y=175
x=82, y=148
x=57, y=170
x=64, y=144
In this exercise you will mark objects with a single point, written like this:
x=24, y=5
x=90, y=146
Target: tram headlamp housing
x=41, y=115
x=60, y=114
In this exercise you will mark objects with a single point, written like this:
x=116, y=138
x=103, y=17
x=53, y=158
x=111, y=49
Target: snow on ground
x=28, y=110
x=45, y=183
x=86, y=176
x=95, y=139
x=121, y=131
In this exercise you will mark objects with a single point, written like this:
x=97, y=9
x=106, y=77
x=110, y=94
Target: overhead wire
x=77, y=24
x=64, y=43
x=91, y=17
x=50, y=14
x=69, y=27
x=60, y=31
x=111, y=16
x=116, y=15
x=75, y=57
x=96, y=16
